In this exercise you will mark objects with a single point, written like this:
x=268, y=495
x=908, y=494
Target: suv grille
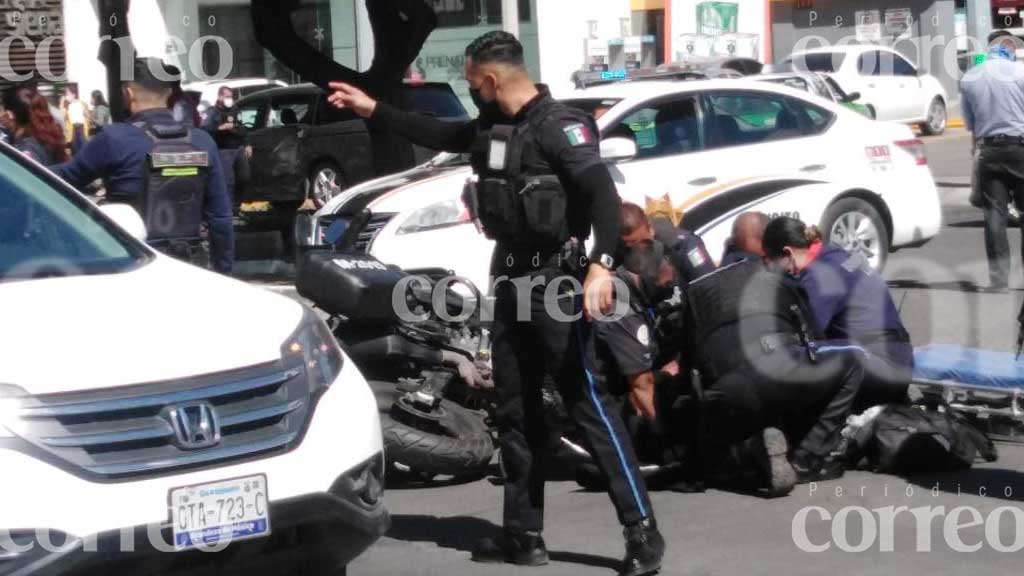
x=127, y=432
x=366, y=236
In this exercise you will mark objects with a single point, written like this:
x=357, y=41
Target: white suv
x=889, y=85
x=151, y=411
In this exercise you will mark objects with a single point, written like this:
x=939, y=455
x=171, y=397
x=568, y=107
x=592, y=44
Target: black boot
x=644, y=549
x=817, y=469
x=519, y=548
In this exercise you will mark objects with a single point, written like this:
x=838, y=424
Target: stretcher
x=986, y=385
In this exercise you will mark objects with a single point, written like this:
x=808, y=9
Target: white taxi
x=708, y=149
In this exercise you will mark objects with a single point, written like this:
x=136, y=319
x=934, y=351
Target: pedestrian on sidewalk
x=993, y=108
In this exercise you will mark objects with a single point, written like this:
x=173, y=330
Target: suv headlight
x=320, y=354
x=440, y=215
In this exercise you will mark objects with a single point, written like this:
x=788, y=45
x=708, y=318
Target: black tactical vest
x=175, y=184
x=519, y=200
x=730, y=311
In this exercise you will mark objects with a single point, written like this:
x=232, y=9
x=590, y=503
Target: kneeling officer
x=170, y=173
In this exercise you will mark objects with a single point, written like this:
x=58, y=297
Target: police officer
x=120, y=157
x=850, y=305
x=750, y=343
x=746, y=240
x=689, y=254
x=993, y=108
x=541, y=182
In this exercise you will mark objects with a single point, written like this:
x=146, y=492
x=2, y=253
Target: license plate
x=225, y=511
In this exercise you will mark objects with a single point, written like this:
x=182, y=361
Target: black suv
x=305, y=148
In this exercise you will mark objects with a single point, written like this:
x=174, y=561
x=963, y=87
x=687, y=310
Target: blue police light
x=613, y=75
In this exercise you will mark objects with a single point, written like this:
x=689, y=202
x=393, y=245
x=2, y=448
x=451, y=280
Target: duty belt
x=1002, y=140
x=772, y=342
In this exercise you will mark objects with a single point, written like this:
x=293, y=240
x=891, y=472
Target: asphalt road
x=721, y=533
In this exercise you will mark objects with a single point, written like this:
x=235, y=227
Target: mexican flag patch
x=578, y=134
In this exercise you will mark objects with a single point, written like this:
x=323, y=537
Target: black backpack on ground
x=174, y=184
x=918, y=439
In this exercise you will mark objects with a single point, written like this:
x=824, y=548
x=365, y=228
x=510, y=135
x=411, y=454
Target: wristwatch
x=605, y=261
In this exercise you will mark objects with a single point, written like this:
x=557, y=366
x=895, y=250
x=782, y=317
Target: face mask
x=229, y=102
x=488, y=110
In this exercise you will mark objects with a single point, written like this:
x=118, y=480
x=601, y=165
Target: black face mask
x=488, y=110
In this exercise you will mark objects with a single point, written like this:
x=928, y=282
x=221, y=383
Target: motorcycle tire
x=466, y=454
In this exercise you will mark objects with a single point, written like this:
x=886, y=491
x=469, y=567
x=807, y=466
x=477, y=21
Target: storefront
x=1008, y=13
x=923, y=30
x=31, y=40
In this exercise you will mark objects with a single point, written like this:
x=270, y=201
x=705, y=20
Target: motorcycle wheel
x=466, y=453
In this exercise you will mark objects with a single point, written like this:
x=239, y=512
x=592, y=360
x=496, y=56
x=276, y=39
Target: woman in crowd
x=851, y=306
x=33, y=130
x=99, y=115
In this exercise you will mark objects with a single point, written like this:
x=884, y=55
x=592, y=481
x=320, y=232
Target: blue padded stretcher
x=986, y=384
x=969, y=367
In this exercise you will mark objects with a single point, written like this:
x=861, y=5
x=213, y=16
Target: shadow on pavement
x=461, y=533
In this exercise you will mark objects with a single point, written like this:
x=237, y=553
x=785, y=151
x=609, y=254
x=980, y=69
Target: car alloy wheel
x=856, y=233
x=937, y=118
x=325, y=185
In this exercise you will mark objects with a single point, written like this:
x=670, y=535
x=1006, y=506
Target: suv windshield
x=45, y=231
x=826, y=62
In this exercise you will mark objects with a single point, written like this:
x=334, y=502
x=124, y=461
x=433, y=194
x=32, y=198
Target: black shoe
x=820, y=471
x=644, y=549
x=590, y=478
x=519, y=548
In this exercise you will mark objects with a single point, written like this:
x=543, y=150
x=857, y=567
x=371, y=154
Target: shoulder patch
x=643, y=336
x=697, y=257
x=578, y=134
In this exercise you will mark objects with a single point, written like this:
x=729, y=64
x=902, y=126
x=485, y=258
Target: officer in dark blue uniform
x=541, y=184
x=120, y=157
x=688, y=253
x=850, y=304
x=746, y=240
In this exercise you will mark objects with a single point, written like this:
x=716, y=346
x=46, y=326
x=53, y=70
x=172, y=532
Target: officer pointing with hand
x=541, y=183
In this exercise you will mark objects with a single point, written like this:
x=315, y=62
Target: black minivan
x=305, y=148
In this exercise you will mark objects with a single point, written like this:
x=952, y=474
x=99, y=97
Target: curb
x=955, y=123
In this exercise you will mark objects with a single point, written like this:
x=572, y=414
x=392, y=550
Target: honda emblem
x=195, y=426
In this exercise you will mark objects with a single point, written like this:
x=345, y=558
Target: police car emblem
x=578, y=134
x=643, y=336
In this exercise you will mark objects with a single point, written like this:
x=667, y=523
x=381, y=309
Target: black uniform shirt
x=624, y=348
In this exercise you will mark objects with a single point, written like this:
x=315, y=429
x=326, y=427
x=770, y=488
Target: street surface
x=721, y=533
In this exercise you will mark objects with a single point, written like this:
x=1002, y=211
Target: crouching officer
x=541, y=182
x=170, y=173
x=750, y=343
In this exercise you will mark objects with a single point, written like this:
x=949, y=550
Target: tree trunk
x=115, y=47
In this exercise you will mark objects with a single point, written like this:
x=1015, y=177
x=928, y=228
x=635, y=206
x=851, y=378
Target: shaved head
x=748, y=232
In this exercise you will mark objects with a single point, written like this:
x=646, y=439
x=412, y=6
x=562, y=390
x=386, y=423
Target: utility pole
x=115, y=50
x=979, y=22
x=510, y=17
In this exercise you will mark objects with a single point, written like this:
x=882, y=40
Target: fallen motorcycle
x=429, y=369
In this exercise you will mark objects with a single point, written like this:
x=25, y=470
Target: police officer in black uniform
x=750, y=341
x=541, y=182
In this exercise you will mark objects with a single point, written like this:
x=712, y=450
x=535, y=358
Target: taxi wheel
x=935, y=125
x=855, y=226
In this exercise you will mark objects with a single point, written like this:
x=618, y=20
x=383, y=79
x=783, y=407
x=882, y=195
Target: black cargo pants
x=528, y=344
